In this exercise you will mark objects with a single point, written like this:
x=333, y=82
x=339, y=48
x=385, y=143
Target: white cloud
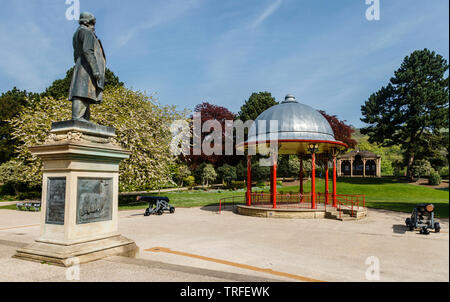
x=227, y=58
x=267, y=13
x=164, y=14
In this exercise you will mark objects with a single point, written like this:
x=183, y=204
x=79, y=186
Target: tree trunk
x=409, y=168
x=16, y=189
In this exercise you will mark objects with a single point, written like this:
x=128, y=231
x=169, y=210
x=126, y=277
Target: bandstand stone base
x=280, y=213
x=301, y=213
x=79, y=196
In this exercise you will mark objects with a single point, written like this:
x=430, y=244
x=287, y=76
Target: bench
x=26, y=206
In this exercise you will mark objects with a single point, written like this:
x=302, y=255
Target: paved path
x=200, y=245
x=8, y=203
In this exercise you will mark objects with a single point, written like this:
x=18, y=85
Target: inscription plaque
x=56, y=200
x=94, y=199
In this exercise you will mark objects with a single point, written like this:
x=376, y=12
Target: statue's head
x=87, y=19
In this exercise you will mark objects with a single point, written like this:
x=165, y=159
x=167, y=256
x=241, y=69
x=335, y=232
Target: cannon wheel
x=437, y=227
x=409, y=224
x=147, y=212
x=424, y=231
x=159, y=212
x=172, y=210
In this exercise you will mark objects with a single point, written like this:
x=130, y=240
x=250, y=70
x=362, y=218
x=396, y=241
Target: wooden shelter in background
x=359, y=164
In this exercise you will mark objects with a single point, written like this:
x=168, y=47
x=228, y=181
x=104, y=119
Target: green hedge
x=240, y=184
x=444, y=172
x=20, y=191
x=125, y=200
x=434, y=179
x=261, y=184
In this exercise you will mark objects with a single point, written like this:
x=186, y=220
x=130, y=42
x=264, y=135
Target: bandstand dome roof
x=298, y=126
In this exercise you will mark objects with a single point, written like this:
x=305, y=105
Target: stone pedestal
x=79, y=196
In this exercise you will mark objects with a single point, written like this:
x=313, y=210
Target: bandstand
x=305, y=132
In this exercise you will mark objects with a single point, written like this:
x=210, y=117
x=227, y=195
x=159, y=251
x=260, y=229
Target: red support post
x=249, y=181
x=273, y=185
x=301, y=179
x=334, y=182
x=313, y=181
x=326, y=181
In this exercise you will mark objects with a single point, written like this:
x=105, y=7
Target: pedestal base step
x=68, y=255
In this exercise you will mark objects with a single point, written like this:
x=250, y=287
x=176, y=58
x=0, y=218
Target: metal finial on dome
x=290, y=98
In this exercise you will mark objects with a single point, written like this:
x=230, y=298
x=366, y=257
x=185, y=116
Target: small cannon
x=156, y=205
x=423, y=217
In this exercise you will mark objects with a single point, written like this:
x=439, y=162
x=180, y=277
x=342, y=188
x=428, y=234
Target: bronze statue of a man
x=88, y=79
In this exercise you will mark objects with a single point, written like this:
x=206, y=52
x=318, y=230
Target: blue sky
x=188, y=51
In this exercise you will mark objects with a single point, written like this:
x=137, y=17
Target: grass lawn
x=10, y=207
x=381, y=193
x=387, y=193
x=190, y=199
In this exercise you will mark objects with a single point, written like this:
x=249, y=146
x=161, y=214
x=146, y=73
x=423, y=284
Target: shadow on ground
x=399, y=228
x=214, y=207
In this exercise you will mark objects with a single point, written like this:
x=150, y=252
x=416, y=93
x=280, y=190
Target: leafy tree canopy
x=227, y=173
x=60, y=88
x=11, y=103
x=412, y=109
x=259, y=173
x=342, y=131
x=208, y=174
x=180, y=172
x=421, y=167
x=211, y=112
x=142, y=127
x=255, y=105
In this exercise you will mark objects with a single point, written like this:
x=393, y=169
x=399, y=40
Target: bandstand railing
x=230, y=201
x=296, y=200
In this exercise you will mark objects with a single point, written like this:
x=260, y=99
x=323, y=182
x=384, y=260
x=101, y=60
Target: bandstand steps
x=346, y=218
x=333, y=214
x=345, y=215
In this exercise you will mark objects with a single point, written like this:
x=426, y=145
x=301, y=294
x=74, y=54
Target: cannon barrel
x=152, y=198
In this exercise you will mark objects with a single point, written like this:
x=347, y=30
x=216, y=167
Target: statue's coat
x=89, y=59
